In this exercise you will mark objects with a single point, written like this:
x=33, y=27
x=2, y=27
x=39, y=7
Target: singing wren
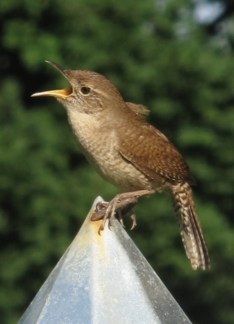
x=129, y=152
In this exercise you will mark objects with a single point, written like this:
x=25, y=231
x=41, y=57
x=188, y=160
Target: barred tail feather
x=192, y=237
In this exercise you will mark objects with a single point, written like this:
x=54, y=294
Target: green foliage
x=156, y=55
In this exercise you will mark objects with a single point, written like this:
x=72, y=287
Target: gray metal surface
x=103, y=279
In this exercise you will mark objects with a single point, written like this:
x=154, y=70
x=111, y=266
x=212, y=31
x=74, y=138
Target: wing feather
x=152, y=153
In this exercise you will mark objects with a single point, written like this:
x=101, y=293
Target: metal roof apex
x=103, y=279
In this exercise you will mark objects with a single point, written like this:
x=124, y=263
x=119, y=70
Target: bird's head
x=89, y=92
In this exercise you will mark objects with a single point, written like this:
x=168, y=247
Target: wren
x=129, y=152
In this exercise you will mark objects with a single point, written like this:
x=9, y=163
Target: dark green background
x=157, y=55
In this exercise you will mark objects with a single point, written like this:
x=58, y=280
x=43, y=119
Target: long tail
x=191, y=232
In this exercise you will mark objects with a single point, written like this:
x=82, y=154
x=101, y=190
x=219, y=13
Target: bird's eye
x=85, y=90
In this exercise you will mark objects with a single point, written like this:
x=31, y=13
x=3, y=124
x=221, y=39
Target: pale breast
x=100, y=146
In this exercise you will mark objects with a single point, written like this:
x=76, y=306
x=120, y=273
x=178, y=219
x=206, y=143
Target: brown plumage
x=190, y=230
x=155, y=161
x=129, y=152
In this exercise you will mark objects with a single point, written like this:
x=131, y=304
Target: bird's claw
x=119, y=206
x=134, y=223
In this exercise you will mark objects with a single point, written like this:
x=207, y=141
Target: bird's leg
x=119, y=205
x=125, y=208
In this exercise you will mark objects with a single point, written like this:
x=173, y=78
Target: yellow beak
x=60, y=94
x=63, y=93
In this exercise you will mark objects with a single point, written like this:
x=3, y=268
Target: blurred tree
x=156, y=54
x=214, y=12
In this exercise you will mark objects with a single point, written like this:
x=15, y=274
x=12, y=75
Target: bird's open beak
x=60, y=94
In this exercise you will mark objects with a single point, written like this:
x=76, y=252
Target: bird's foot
x=119, y=206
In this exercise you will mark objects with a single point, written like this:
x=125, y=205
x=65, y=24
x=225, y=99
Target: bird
x=129, y=152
